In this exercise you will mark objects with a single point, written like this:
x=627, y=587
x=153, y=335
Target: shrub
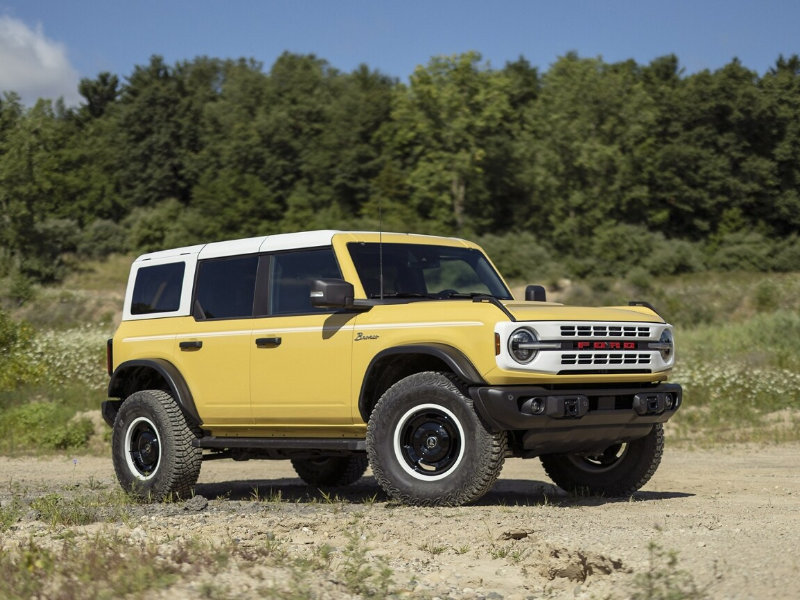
x=520, y=256
x=74, y=355
x=42, y=257
x=16, y=368
x=742, y=251
x=674, y=257
x=43, y=426
x=166, y=225
x=101, y=238
x=787, y=257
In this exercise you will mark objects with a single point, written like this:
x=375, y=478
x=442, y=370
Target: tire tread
x=489, y=462
x=566, y=476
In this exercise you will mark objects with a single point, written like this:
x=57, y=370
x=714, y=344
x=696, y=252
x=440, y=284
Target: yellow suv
x=405, y=353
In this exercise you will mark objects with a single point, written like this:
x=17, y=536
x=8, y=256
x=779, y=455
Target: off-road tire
x=427, y=446
x=331, y=470
x=152, y=448
x=618, y=473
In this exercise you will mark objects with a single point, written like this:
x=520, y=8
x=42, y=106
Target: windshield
x=423, y=271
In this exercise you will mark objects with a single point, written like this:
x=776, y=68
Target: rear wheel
x=331, y=470
x=619, y=470
x=427, y=446
x=152, y=447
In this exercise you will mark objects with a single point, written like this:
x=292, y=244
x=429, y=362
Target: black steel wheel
x=619, y=470
x=152, y=448
x=429, y=441
x=427, y=446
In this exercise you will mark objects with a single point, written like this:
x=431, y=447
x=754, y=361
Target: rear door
x=213, y=350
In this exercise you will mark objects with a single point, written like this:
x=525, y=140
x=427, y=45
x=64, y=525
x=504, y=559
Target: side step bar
x=280, y=443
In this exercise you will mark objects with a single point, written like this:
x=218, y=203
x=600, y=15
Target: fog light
x=534, y=406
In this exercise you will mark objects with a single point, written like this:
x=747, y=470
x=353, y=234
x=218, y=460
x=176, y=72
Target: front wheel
x=619, y=470
x=152, y=447
x=427, y=446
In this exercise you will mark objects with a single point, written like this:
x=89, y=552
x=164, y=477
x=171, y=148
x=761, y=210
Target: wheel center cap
x=431, y=442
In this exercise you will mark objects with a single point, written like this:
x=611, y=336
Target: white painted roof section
x=231, y=248
x=253, y=245
x=172, y=253
x=305, y=239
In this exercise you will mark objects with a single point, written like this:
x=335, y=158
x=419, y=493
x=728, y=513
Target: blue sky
x=46, y=46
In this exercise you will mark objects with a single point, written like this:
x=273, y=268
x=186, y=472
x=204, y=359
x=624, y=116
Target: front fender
x=454, y=359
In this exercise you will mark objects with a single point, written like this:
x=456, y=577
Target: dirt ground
x=732, y=515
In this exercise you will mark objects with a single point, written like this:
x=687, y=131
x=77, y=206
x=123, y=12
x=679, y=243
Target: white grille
x=615, y=358
x=606, y=331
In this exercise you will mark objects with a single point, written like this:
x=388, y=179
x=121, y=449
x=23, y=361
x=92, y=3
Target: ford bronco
x=404, y=353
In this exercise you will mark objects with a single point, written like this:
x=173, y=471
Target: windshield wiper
x=400, y=295
x=444, y=295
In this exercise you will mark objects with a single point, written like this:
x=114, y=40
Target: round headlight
x=521, y=345
x=668, y=346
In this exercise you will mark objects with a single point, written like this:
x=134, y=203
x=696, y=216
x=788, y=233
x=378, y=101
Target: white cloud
x=33, y=65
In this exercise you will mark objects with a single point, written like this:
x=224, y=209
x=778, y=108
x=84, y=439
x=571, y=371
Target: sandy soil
x=732, y=516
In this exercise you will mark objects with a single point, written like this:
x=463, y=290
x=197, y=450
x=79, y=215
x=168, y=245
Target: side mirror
x=536, y=293
x=331, y=293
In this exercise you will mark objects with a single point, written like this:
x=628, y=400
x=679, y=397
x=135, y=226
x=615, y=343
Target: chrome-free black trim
x=155, y=373
x=282, y=443
x=573, y=419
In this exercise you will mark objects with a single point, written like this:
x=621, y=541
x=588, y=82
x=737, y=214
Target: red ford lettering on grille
x=606, y=345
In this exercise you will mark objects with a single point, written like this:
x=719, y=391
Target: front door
x=300, y=355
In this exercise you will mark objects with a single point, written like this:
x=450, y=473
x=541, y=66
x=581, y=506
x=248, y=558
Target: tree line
x=600, y=167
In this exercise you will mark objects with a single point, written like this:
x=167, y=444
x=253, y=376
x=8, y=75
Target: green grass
x=741, y=380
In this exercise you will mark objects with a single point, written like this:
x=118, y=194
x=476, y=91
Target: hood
x=547, y=311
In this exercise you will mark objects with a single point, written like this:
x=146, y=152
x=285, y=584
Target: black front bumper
x=577, y=419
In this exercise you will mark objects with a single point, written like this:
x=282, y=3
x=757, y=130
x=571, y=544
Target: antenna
x=380, y=244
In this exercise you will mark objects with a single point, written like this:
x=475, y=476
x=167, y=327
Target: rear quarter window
x=158, y=289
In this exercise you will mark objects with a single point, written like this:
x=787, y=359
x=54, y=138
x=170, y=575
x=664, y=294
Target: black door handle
x=194, y=345
x=268, y=342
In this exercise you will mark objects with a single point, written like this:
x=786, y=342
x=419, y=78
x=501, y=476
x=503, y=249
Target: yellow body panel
x=305, y=380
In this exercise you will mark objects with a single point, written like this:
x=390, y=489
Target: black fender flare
x=121, y=384
x=456, y=360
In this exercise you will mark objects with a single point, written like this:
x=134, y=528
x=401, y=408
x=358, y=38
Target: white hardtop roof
x=264, y=243
x=254, y=245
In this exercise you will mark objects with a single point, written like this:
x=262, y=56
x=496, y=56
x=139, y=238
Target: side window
x=291, y=275
x=157, y=289
x=225, y=288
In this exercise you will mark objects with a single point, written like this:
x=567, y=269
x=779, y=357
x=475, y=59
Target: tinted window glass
x=225, y=288
x=157, y=289
x=291, y=277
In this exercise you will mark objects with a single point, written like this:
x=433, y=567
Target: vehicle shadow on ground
x=506, y=492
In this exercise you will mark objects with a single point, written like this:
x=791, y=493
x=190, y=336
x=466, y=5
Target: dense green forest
x=595, y=167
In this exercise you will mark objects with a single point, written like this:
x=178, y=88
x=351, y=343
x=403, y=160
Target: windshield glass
x=423, y=271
